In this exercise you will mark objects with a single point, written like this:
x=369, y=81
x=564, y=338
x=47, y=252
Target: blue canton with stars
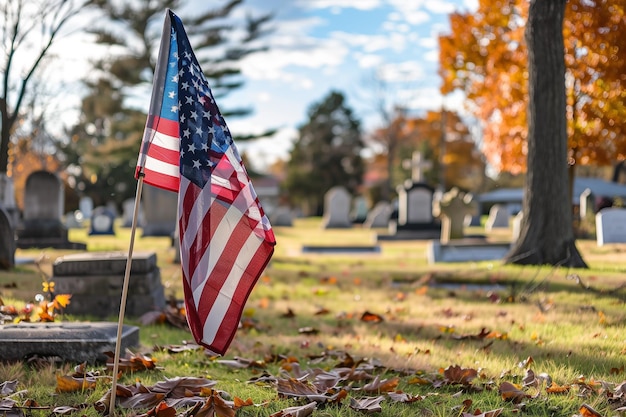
x=204, y=136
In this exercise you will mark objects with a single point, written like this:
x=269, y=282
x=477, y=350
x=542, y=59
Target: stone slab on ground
x=95, y=281
x=466, y=250
x=340, y=249
x=70, y=341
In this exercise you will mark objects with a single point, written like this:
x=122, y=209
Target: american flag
x=226, y=240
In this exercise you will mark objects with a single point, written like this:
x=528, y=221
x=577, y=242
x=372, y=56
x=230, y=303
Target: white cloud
x=441, y=7
x=401, y=72
x=368, y=60
x=339, y=4
x=372, y=43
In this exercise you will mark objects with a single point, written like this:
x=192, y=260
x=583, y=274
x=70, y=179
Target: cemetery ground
x=349, y=334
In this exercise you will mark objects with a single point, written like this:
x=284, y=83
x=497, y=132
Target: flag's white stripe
x=214, y=252
x=195, y=218
x=165, y=141
x=223, y=300
x=158, y=165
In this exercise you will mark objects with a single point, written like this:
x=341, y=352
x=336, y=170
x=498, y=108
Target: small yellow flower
x=48, y=286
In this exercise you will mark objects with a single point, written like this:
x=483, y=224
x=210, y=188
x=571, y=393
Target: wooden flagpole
x=120, y=322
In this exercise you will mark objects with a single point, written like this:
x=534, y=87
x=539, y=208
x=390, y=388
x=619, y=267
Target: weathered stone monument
x=337, y=209
x=453, y=208
x=611, y=226
x=453, y=246
x=160, y=211
x=128, y=209
x=85, y=205
x=42, y=224
x=7, y=241
x=95, y=281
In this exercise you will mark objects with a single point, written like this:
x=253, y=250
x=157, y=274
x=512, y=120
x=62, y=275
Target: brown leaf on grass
x=213, y=406
x=510, y=392
x=404, y=397
x=299, y=411
x=478, y=413
x=240, y=402
x=418, y=380
x=457, y=375
x=160, y=410
x=586, y=410
x=483, y=334
x=321, y=311
x=558, y=389
x=67, y=383
x=367, y=404
x=380, y=386
x=131, y=362
x=289, y=314
x=293, y=388
x=371, y=317
x=617, y=371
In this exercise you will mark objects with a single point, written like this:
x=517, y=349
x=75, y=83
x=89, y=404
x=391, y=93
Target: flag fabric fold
x=226, y=240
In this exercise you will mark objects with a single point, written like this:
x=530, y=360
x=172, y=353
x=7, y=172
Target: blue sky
x=319, y=45
x=316, y=46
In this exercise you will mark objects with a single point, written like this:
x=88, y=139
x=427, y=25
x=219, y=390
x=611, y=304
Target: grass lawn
x=385, y=333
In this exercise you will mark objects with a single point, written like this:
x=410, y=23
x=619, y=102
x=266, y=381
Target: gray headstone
x=71, y=341
x=360, y=208
x=85, y=205
x=7, y=242
x=379, y=216
x=42, y=224
x=73, y=220
x=415, y=205
x=128, y=210
x=43, y=207
x=102, y=221
x=611, y=226
x=282, y=216
x=337, y=209
x=95, y=281
x=498, y=217
x=160, y=211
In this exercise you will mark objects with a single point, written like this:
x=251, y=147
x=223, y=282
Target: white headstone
x=337, y=208
x=85, y=205
x=498, y=217
x=611, y=226
x=517, y=226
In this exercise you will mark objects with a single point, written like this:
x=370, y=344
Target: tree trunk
x=546, y=234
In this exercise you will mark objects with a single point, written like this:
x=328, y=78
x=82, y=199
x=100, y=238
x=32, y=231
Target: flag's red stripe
x=160, y=180
x=163, y=154
x=163, y=125
x=236, y=240
x=228, y=328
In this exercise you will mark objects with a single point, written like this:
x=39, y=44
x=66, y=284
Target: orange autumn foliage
x=485, y=56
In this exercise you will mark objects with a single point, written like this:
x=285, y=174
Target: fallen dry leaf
x=510, y=392
x=367, y=404
x=299, y=411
